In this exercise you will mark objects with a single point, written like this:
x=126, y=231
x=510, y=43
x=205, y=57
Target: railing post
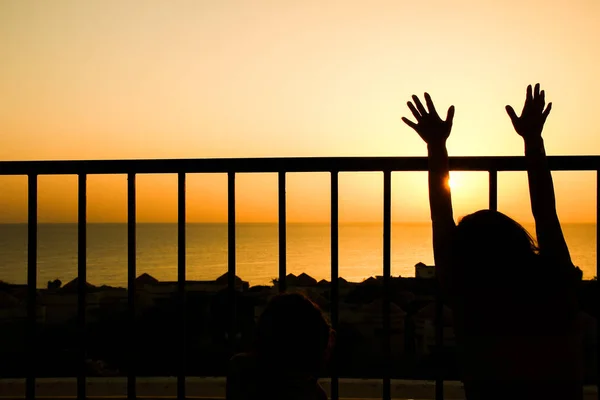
x=131, y=287
x=597, y=280
x=334, y=298
x=82, y=283
x=387, y=277
x=493, y=186
x=439, y=341
x=181, y=283
x=439, y=307
x=282, y=233
x=231, y=260
x=32, y=286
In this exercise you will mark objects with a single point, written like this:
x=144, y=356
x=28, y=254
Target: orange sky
x=155, y=79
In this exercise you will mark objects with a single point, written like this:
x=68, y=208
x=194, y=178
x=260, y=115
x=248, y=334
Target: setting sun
x=453, y=182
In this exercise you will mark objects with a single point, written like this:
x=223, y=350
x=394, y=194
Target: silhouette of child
x=514, y=301
x=292, y=345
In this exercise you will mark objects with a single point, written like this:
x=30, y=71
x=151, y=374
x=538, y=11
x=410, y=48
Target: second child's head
x=293, y=334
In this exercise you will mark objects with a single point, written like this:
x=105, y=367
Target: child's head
x=293, y=334
x=489, y=244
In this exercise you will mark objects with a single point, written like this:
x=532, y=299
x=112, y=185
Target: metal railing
x=281, y=166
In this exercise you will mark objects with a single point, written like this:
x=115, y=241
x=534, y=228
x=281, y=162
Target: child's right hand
x=531, y=122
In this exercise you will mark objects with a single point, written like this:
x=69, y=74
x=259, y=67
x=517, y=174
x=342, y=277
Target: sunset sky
x=182, y=79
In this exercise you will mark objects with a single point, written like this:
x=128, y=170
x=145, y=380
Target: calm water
x=308, y=250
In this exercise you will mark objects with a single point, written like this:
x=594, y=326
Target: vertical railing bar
x=493, y=186
x=131, y=272
x=439, y=308
x=231, y=248
x=282, y=233
x=181, y=282
x=598, y=282
x=387, y=274
x=32, y=286
x=334, y=279
x=81, y=282
x=439, y=341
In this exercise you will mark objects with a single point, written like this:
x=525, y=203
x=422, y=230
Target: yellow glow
x=453, y=181
x=236, y=78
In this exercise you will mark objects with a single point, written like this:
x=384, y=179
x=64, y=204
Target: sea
x=308, y=250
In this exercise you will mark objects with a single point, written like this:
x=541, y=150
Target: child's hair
x=293, y=335
x=489, y=245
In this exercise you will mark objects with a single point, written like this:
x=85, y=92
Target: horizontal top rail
x=291, y=164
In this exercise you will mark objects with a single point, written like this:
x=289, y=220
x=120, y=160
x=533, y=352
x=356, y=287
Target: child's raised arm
x=529, y=126
x=434, y=131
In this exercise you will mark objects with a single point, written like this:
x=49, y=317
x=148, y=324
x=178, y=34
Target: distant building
x=423, y=271
x=73, y=286
x=12, y=309
x=167, y=288
x=367, y=319
x=55, y=284
x=424, y=323
x=291, y=280
x=306, y=280
x=369, y=281
x=8, y=301
x=341, y=282
x=61, y=305
x=302, y=280
x=343, y=287
x=146, y=279
x=224, y=280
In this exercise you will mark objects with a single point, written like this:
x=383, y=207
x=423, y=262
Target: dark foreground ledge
x=214, y=388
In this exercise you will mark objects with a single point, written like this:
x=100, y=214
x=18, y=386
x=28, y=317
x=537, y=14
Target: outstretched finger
x=419, y=105
x=409, y=123
x=512, y=114
x=536, y=91
x=450, y=115
x=547, y=111
x=414, y=111
x=529, y=94
x=430, y=105
x=542, y=99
